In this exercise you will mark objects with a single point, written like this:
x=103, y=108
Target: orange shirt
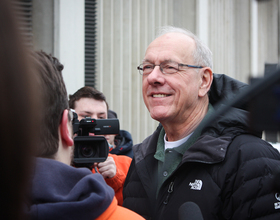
x=117, y=212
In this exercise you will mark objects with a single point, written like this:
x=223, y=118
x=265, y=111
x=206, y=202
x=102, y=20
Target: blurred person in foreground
x=223, y=168
x=58, y=190
x=20, y=115
x=89, y=102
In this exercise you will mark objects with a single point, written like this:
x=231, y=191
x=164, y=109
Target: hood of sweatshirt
x=59, y=191
x=124, y=143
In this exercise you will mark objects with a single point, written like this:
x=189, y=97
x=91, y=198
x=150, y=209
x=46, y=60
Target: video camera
x=91, y=149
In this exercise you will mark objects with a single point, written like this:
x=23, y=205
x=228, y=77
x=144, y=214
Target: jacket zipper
x=169, y=191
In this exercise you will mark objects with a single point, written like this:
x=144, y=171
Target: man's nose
x=156, y=76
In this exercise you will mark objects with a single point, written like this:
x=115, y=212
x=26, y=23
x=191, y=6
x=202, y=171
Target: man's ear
x=206, y=81
x=65, y=129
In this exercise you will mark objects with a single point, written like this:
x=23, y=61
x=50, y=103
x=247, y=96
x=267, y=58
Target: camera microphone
x=190, y=211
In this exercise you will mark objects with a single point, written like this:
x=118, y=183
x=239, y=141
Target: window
x=24, y=12
x=90, y=42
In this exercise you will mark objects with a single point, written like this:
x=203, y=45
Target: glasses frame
x=140, y=67
x=71, y=114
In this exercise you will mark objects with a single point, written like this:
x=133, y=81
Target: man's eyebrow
x=87, y=112
x=146, y=60
x=164, y=61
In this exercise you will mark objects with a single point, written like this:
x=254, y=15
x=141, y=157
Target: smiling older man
x=222, y=168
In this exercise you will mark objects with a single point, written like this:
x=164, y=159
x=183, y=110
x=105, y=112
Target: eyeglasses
x=168, y=67
x=71, y=113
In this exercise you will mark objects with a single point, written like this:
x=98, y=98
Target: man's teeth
x=159, y=95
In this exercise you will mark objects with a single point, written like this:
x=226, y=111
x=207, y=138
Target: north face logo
x=277, y=204
x=197, y=185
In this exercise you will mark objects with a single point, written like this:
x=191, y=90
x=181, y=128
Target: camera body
x=90, y=149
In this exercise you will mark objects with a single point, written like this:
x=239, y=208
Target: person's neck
x=63, y=154
x=178, y=129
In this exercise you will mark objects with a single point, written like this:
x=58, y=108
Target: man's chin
x=158, y=115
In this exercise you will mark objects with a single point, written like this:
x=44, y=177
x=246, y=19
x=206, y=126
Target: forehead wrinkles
x=173, y=46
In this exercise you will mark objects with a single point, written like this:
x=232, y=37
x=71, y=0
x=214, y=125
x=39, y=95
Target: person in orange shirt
x=89, y=102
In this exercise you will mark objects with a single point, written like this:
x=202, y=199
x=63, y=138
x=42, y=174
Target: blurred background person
x=120, y=144
x=19, y=110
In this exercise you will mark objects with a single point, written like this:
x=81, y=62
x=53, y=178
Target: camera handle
x=96, y=171
x=87, y=165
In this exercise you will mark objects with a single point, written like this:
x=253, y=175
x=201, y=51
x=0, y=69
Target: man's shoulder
x=250, y=146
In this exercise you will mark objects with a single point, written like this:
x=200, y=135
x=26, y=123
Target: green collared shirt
x=169, y=159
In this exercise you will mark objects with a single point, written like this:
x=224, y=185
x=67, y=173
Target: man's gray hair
x=202, y=55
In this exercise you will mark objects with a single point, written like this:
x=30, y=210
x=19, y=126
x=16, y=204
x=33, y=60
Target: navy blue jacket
x=124, y=143
x=59, y=191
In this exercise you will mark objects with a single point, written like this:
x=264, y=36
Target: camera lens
x=87, y=151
